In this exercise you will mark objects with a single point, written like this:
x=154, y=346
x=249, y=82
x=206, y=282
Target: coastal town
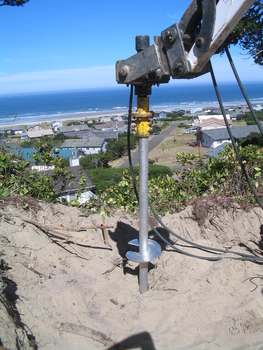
x=209, y=118
x=90, y=135
x=204, y=128
x=73, y=283
x=131, y=175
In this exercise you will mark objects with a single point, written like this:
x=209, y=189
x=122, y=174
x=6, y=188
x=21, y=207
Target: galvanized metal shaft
x=148, y=249
x=143, y=200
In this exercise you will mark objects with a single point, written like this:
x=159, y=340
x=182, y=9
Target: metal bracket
x=154, y=250
x=149, y=65
x=174, y=49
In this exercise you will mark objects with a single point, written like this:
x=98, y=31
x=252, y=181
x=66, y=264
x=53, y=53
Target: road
x=153, y=142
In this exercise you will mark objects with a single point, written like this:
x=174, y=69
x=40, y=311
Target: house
x=216, y=152
x=243, y=109
x=202, y=118
x=196, y=110
x=55, y=125
x=107, y=135
x=110, y=126
x=116, y=118
x=68, y=188
x=161, y=115
x=209, y=123
x=216, y=137
x=34, y=127
x=74, y=130
x=258, y=108
x=34, y=134
x=18, y=130
x=88, y=146
x=104, y=119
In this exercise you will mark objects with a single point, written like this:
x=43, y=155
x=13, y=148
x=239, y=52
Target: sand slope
x=79, y=296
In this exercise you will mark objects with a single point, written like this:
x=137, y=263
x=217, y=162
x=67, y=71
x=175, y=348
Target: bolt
x=158, y=73
x=179, y=66
x=171, y=34
x=186, y=38
x=124, y=71
x=199, y=42
x=168, y=34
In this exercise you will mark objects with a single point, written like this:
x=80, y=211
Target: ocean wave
x=119, y=107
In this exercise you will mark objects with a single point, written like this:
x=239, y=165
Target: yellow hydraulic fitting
x=142, y=115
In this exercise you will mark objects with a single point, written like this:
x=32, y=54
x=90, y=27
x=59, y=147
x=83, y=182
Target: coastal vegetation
x=108, y=177
x=249, y=119
x=18, y=179
x=220, y=179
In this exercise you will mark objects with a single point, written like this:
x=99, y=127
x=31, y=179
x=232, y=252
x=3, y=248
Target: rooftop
x=238, y=132
x=71, y=184
x=83, y=143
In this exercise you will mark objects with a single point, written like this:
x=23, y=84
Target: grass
x=165, y=152
x=176, y=142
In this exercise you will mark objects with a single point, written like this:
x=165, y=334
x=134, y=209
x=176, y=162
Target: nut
x=199, y=42
x=171, y=34
x=179, y=67
x=158, y=73
x=124, y=71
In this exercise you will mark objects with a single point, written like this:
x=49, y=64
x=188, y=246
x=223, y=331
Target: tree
x=254, y=138
x=248, y=33
x=97, y=160
x=119, y=148
x=13, y=2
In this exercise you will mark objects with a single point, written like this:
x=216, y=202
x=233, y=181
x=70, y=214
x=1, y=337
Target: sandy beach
x=85, y=116
x=65, y=117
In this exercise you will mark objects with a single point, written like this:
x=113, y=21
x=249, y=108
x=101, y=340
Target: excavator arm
x=183, y=50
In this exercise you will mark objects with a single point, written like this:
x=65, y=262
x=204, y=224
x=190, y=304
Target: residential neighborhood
x=87, y=137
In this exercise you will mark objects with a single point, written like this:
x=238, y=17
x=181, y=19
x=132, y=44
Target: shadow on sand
x=142, y=340
x=125, y=233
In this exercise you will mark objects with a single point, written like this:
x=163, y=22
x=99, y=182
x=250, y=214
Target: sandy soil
x=73, y=291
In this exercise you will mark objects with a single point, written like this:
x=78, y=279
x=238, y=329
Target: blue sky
x=60, y=45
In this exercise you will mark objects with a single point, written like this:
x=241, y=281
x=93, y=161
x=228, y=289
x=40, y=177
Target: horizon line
x=119, y=86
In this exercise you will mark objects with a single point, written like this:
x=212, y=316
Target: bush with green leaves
x=104, y=178
x=17, y=178
x=222, y=177
x=249, y=119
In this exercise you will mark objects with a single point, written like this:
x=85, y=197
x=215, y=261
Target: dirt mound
x=76, y=292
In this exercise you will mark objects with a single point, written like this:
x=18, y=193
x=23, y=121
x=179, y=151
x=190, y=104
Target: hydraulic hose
x=239, y=256
x=232, y=137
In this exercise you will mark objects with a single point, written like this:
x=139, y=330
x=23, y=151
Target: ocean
x=34, y=107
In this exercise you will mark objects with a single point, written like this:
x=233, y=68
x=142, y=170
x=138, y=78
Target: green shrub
x=249, y=119
x=104, y=178
x=222, y=177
